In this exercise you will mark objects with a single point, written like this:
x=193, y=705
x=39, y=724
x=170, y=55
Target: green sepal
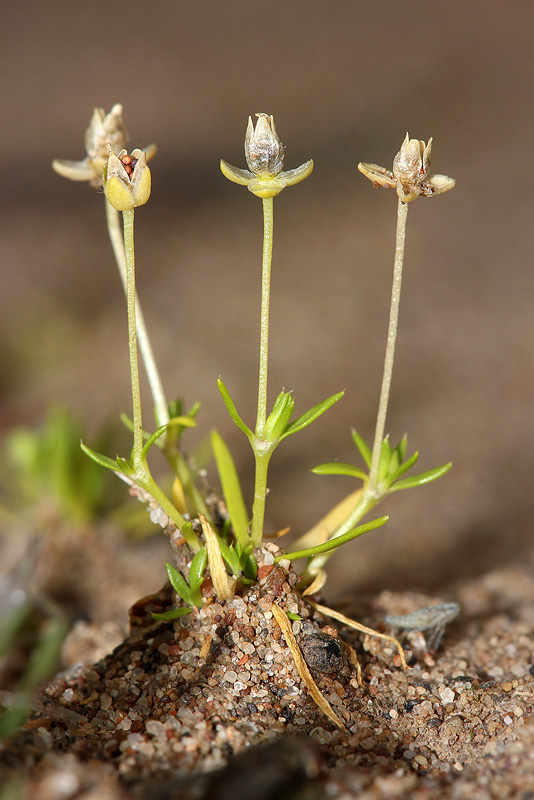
x=231, y=487
x=196, y=576
x=179, y=584
x=294, y=617
x=339, y=468
x=333, y=544
x=167, y=616
x=363, y=448
x=422, y=478
x=310, y=416
x=232, y=410
x=278, y=420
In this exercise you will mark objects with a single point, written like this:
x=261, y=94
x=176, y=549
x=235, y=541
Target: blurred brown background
x=345, y=80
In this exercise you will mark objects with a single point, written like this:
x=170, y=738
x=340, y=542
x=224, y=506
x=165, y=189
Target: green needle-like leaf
x=311, y=415
x=103, y=461
x=401, y=448
x=339, y=468
x=179, y=584
x=333, y=544
x=405, y=467
x=422, y=478
x=196, y=576
x=231, y=488
x=232, y=410
x=363, y=448
x=278, y=420
x=167, y=616
x=248, y=564
x=153, y=438
x=124, y=466
x=230, y=556
x=385, y=459
x=196, y=570
x=184, y=422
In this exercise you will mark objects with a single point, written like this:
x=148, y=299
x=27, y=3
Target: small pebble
x=155, y=728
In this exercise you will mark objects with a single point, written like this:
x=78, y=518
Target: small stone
x=508, y=720
x=447, y=695
x=230, y=676
x=155, y=728
x=421, y=761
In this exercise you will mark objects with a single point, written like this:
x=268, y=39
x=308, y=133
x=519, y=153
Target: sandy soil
x=179, y=710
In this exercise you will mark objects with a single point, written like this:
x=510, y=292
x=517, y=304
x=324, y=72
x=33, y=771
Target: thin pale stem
x=128, y=218
x=371, y=493
x=264, y=333
x=262, y=450
x=402, y=213
x=161, y=409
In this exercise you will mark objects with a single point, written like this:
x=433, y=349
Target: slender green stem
x=264, y=333
x=128, y=218
x=262, y=450
x=402, y=213
x=149, y=484
x=371, y=493
x=260, y=493
x=161, y=410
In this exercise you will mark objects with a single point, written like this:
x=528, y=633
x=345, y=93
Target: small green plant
x=32, y=632
x=224, y=549
x=45, y=478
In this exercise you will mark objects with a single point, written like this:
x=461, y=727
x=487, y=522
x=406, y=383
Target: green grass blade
x=231, y=488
